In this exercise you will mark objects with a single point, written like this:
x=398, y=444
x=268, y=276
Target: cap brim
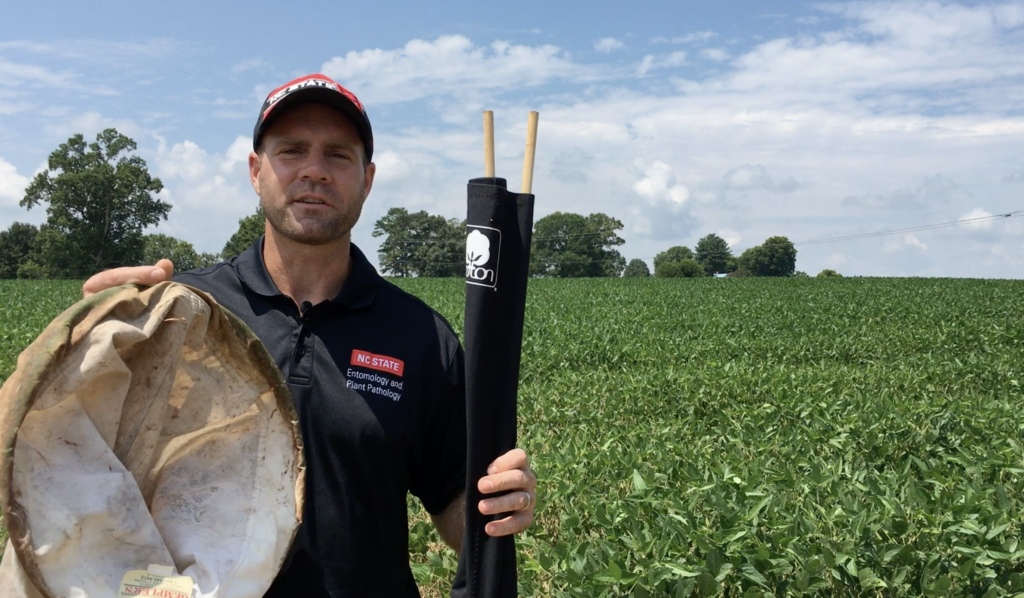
x=321, y=96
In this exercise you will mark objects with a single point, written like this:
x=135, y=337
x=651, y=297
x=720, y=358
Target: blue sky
x=744, y=119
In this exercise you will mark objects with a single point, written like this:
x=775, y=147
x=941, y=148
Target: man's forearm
x=451, y=522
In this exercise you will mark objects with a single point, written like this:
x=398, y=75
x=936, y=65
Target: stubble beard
x=312, y=232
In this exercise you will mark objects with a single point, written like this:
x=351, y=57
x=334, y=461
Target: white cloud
x=664, y=214
x=975, y=214
x=452, y=65
x=645, y=65
x=94, y=50
x=659, y=184
x=209, y=193
x=16, y=75
x=755, y=177
x=607, y=45
x=12, y=184
x=731, y=237
x=392, y=166
x=12, y=191
x=748, y=176
x=716, y=54
x=13, y=107
x=184, y=160
x=913, y=241
x=651, y=62
x=934, y=191
x=89, y=124
x=237, y=153
x=699, y=36
x=675, y=59
x=906, y=46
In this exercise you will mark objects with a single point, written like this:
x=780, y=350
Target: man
x=376, y=375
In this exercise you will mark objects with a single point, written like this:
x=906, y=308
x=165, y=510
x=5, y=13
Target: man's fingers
x=514, y=459
x=509, y=473
x=520, y=500
x=129, y=275
x=517, y=479
x=167, y=266
x=513, y=524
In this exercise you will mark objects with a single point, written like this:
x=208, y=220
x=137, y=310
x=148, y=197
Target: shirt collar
x=359, y=290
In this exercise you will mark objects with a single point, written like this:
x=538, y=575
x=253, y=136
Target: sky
x=813, y=121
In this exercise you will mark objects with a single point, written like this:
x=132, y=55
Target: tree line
x=567, y=245
x=712, y=256
x=100, y=197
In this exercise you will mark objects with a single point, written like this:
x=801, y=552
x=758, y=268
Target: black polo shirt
x=377, y=381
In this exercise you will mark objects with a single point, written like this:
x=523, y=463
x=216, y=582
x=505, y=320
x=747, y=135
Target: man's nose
x=315, y=167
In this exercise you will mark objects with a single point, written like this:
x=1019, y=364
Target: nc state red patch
x=381, y=363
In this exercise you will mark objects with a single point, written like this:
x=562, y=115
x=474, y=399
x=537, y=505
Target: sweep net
x=147, y=427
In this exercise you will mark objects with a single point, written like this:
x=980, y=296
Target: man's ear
x=254, y=171
x=369, y=171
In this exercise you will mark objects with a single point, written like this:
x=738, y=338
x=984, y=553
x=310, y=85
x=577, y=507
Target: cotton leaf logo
x=478, y=249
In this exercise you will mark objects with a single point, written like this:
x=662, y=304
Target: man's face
x=311, y=176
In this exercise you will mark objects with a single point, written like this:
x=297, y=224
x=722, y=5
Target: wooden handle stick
x=489, y=143
x=531, y=152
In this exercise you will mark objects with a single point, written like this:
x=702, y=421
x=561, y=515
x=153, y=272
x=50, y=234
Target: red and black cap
x=315, y=88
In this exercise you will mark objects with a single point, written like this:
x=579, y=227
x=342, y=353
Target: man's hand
x=128, y=275
x=510, y=472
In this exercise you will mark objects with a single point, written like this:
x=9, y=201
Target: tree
x=828, y=273
x=17, y=247
x=776, y=257
x=713, y=254
x=30, y=269
x=679, y=269
x=180, y=252
x=99, y=199
x=421, y=244
x=636, y=268
x=673, y=254
x=731, y=264
x=748, y=260
x=207, y=259
x=567, y=245
x=249, y=229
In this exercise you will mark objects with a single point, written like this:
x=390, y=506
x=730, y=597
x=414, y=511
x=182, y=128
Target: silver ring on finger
x=529, y=501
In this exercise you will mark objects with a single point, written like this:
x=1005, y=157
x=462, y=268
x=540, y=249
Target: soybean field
x=805, y=437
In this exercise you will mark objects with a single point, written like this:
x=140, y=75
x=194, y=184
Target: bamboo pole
x=489, y=143
x=531, y=151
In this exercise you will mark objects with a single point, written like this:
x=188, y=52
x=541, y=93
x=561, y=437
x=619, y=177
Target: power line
x=898, y=231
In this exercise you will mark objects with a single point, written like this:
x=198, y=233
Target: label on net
x=157, y=582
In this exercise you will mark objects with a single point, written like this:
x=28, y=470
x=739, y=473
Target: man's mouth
x=311, y=200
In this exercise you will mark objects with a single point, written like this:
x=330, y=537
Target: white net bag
x=150, y=448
